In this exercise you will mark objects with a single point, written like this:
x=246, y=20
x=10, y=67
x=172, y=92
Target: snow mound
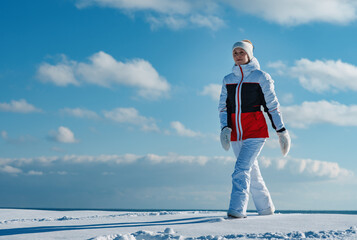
x=169, y=234
x=169, y=231
x=141, y=235
x=66, y=218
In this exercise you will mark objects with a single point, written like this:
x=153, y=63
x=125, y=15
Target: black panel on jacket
x=230, y=102
x=251, y=95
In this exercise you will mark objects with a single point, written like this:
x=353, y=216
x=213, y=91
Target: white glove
x=285, y=142
x=226, y=138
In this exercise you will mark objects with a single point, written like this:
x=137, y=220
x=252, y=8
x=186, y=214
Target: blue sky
x=111, y=104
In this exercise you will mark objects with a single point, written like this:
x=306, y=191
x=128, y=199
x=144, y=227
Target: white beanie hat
x=246, y=46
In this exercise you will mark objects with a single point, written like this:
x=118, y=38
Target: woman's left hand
x=285, y=142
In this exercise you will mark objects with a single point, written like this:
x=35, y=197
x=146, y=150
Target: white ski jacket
x=243, y=93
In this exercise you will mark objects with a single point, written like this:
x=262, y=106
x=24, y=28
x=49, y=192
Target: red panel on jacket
x=254, y=125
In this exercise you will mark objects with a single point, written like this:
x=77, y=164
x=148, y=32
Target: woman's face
x=240, y=56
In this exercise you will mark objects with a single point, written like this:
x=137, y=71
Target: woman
x=243, y=126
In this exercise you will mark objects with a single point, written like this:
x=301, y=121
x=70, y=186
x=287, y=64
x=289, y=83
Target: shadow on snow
x=44, y=229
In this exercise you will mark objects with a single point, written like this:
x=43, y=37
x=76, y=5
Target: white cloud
x=211, y=22
x=17, y=140
x=279, y=65
x=183, y=131
x=308, y=167
x=4, y=135
x=296, y=166
x=321, y=75
x=178, y=22
x=10, y=169
x=172, y=22
x=287, y=98
x=329, y=75
x=162, y=6
x=167, y=13
x=118, y=159
x=132, y=158
x=21, y=140
x=80, y=113
x=295, y=12
x=103, y=70
x=131, y=116
x=63, y=135
x=205, y=13
x=57, y=149
x=61, y=74
x=212, y=90
x=35, y=173
x=175, y=158
x=20, y=106
x=308, y=113
x=123, y=159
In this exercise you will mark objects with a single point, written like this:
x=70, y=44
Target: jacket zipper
x=238, y=122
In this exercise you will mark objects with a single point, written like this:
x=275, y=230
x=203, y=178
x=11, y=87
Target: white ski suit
x=243, y=93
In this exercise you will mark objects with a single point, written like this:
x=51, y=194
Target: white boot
x=234, y=214
x=268, y=211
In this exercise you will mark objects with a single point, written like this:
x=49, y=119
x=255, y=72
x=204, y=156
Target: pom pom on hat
x=246, y=46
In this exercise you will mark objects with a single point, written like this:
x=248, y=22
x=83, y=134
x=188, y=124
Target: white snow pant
x=247, y=178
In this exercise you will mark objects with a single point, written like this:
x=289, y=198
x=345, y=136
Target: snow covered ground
x=106, y=225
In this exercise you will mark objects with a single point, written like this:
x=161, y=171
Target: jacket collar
x=246, y=68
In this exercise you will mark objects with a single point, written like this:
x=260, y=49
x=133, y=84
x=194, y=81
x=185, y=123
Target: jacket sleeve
x=272, y=106
x=222, y=107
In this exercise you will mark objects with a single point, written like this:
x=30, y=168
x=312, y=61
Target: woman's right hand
x=226, y=138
